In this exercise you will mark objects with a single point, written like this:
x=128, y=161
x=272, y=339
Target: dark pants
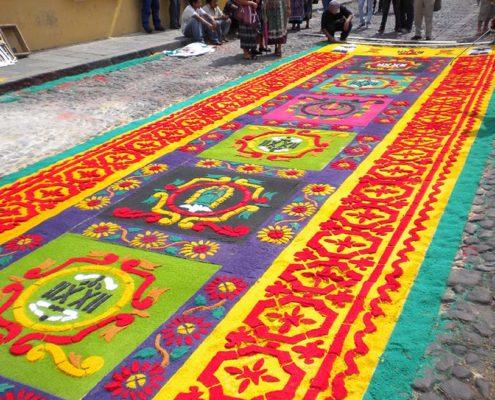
x=338, y=27
x=150, y=7
x=174, y=12
x=386, y=9
x=407, y=14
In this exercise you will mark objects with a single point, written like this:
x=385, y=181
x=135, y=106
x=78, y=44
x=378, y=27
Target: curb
x=79, y=69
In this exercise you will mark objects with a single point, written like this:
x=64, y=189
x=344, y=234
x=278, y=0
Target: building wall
x=53, y=23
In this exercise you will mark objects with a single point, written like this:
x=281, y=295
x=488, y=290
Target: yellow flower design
x=208, y=163
x=249, y=169
x=200, y=249
x=152, y=169
x=301, y=209
x=101, y=230
x=149, y=240
x=93, y=203
x=276, y=234
x=290, y=173
x=318, y=189
x=126, y=184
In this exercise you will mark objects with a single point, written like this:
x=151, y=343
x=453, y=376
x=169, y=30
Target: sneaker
x=416, y=37
x=147, y=29
x=159, y=28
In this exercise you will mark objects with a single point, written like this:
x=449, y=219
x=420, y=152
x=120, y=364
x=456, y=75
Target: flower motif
x=200, y=249
x=238, y=338
x=277, y=234
x=126, y=184
x=192, y=148
x=24, y=242
x=208, y=163
x=344, y=164
x=149, y=240
x=136, y=381
x=184, y=330
x=230, y=126
x=288, y=320
x=249, y=169
x=153, y=169
x=272, y=122
x=193, y=394
x=93, y=203
x=251, y=375
x=367, y=139
x=318, y=189
x=357, y=151
x=23, y=394
x=290, y=173
x=310, y=351
x=225, y=287
x=213, y=136
x=342, y=127
x=300, y=209
x=101, y=229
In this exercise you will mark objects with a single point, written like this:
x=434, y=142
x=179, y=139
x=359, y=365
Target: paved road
x=39, y=124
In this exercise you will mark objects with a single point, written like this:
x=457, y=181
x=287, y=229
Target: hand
x=253, y=4
x=346, y=25
x=211, y=27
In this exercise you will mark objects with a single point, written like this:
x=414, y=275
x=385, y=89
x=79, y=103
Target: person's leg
x=385, y=10
x=398, y=15
x=145, y=13
x=361, y=12
x=418, y=16
x=194, y=30
x=155, y=8
x=212, y=34
x=369, y=13
x=225, y=28
x=173, y=11
x=428, y=16
x=345, y=32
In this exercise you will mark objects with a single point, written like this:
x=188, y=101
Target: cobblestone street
x=44, y=121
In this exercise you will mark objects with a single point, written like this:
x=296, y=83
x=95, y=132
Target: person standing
x=296, y=13
x=308, y=12
x=487, y=12
x=174, y=12
x=423, y=9
x=334, y=19
x=151, y=7
x=385, y=11
x=407, y=15
x=275, y=14
x=249, y=31
x=365, y=20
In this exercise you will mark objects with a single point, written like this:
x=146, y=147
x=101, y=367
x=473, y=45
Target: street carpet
x=286, y=236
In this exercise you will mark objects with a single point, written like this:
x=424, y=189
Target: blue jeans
x=369, y=11
x=325, y=4
x=150, y=7
x=174, y=11
x=224, y=26
x=196, y=31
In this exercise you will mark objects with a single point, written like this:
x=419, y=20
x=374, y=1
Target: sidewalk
x=46, y=65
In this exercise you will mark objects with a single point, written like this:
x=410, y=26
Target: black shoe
x=416, y=37
x=159, y=28
x=147, y=29
x=428, y=38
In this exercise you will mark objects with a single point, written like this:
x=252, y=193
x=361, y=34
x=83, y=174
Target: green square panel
x=76, y=307
x=306, y=149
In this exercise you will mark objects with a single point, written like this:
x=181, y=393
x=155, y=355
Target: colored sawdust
x=259, y=242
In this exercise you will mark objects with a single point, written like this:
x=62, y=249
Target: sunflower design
x=249, y=169
x=101, y=230
x=290, y=173
x=93, y=203
x=208, y=163
x=300, y=209
x=149, y=240
x=153, y=169
x=136, y=380
x=200, y=249
x=126, y=184
x=277, y=234
x=225, y=287
x=185, y=330
x=318, y=189
x=24, y=242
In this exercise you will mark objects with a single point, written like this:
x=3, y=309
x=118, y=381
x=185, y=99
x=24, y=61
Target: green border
x=420, y=322
x=31, y=169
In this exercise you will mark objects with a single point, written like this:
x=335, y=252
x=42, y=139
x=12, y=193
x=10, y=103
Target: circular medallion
x=329, y=109
x=73, y=298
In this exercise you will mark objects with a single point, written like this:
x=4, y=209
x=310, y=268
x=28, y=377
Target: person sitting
x=197, y=25
x=334, y=19
x=211, y=8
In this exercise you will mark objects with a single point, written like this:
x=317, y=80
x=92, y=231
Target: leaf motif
x=278, y=217
x=179, y=352
x=147, y=352
x=5, y=260
x=218, y=313
x=269, y=195
x=200, y=300
x=48, y=263
x=150, y=200
x=243, y=386
x=178, y=182
x=75, y=359
x=171, y=250
x=214, y=176
x=255, y=181
x=245, y=215
x=233, y=370
x=147, y=265
x=258, y=364
x=269, y=378
x=308, y=321
x=5, y=386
